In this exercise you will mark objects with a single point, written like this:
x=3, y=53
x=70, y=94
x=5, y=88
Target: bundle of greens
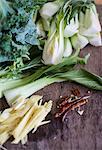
x=74, y=26
x=28, y=27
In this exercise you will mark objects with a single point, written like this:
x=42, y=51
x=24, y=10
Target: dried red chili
x=71, y=102
x=75, y=92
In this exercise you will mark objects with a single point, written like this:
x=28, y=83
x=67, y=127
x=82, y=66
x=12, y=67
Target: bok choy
x=29, y=89
x=54, y=46
x=72, y=27
x=76, y=29
x=79, y=41
x=91, y=24
x=80, y=76
x=49, y=9
x=67, y=47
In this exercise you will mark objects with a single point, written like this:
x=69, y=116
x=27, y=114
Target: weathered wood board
x=77, y=132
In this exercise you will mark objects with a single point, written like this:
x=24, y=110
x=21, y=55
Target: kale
x=4, y=9
x=18, y=31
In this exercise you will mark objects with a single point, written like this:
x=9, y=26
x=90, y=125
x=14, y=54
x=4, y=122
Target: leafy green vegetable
x=91, y=25
x=72, y=27
x=4, y=9
x=54, y=46
x=83, y=77
x=54, y=7
x=75, y=6
x=17, y=70
x=67, y=47
x=80, y=76
x=67, y=62
x=6, y=84
x=79, y=41
x=43, y=71
x=18, y=32
x=30, y=88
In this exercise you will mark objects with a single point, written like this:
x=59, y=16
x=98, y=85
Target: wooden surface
x=77, y=132
x=98, y=1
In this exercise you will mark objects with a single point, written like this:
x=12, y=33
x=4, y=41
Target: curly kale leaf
x=10, y=51
x=4, y=9
x=18, y=31
x=27, y=35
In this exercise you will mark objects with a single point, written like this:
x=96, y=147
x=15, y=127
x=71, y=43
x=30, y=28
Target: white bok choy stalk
x=48, y=51
x=49, y=9
x=81, y=21
x=46, y=24
x=79, y=41
x=54, y=46
x=28, y=89
x=40, y=29
x=11, y=83
x=72, y=27
x=95, y=40
x=90, y=26
x=89, y=22
x=67, y=47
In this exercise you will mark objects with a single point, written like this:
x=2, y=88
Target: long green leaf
x=83, y=77
x=73, y=60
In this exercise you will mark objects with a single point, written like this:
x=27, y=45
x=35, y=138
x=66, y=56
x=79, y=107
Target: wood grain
x=98, y=1
x=77, y=132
